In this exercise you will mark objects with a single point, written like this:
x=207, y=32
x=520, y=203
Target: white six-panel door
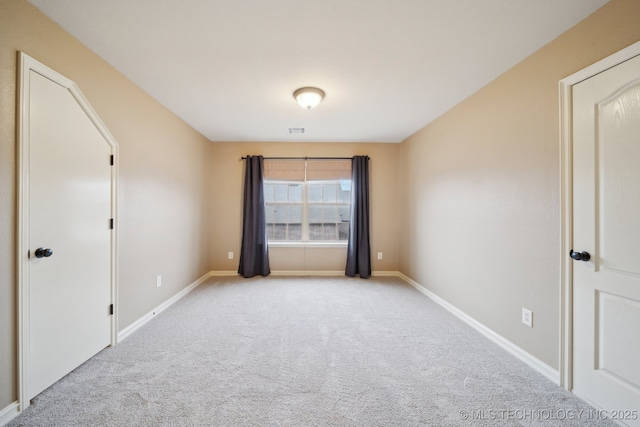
x=606, y=219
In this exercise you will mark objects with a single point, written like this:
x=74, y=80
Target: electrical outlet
x=527, y=317
x=230, y=255
x=158, y=281
x=379, y=255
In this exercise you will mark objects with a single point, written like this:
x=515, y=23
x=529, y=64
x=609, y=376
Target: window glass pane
x=345, y=185
x=329, y=232
x=281, y=192
x=295, y=193
x=269, y=213
x=344, y=192
x=295, y=214
x=280, y=214
x=343, y=231
x=279, y=232
x=268, y=192
x=315, y=214
x=315, y=193
x=344, y=213
x=315, y=231
x=329, y=192
x=331, y=214
x=295, y=231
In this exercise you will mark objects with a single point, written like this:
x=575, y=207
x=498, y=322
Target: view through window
x=307, y=200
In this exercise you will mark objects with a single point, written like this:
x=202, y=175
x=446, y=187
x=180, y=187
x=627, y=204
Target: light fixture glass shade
x=308, y=97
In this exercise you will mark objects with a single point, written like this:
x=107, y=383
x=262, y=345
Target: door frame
x=566, y=203
x=26, y=64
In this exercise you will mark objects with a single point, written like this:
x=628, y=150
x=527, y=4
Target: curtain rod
x=304, y=158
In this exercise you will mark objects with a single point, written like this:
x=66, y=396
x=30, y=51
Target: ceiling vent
x=296, y=130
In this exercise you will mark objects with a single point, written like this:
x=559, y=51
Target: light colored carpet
x=305, y=352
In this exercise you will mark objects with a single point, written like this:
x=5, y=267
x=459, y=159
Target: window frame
x=287, y=203
x=305, y=240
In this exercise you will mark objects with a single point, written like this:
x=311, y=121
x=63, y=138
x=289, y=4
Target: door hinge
x=112, y=160
x=111, y=309
x=111, y=224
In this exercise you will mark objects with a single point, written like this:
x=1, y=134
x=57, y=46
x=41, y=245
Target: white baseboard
x=9, y=413
x=159, y=309
x=306, y=273
x=223, y=273
x=385, y=273
x=309, y=273
x=507, y=345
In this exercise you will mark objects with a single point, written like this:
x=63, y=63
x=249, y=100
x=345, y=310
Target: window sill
x=308, y=244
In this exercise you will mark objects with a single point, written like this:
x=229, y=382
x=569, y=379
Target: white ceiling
x=388, y=67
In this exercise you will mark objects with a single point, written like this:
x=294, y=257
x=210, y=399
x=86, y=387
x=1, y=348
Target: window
x=283, y=209
x=307, y=200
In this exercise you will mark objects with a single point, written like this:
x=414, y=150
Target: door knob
x=580, y=256
x=43, y=253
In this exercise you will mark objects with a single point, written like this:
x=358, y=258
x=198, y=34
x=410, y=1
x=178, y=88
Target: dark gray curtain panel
x=254, y=253
x=359, y=250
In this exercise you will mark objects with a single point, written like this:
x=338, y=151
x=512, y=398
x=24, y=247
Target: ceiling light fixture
x=308, y=97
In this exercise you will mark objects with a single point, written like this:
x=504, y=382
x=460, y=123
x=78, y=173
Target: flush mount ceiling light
x=308, y=97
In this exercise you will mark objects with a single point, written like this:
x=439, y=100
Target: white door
x=606, y=210
x=69, y=187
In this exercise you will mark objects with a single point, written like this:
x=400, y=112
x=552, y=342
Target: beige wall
x=226, y=190
x=163, y=222
x=481, y=188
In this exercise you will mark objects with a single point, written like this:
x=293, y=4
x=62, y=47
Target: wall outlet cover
x=527, y=317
